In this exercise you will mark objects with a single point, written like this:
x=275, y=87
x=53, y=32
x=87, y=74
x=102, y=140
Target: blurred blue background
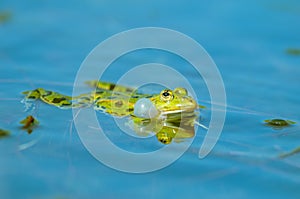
x=43, y=43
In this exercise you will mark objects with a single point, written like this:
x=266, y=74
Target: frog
x=117, y=100
x=167, y=110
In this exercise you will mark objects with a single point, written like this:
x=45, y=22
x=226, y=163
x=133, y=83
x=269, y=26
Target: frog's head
x=167, y=102
x=176, y=101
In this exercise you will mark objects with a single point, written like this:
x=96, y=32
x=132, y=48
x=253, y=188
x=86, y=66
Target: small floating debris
x=279, y=123
x=201, y=106
x=4, y=133
x=293, y=51
x=4, y=16
x=293, y=152
x=29, y=123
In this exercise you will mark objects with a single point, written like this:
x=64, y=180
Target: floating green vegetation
x=293, y=152
x=293, y=51
x=279, y=123
x=201, y=106
x=4, y=16
x=4, y=133
x=29, y=123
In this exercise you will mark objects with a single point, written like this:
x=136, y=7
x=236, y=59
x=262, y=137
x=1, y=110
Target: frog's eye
x=180, y=91
x=166, y=95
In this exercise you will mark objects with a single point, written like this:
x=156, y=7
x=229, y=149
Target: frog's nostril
x=144, y=108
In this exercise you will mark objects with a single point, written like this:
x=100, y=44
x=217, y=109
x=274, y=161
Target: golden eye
x=181, y=91
x=166, y=95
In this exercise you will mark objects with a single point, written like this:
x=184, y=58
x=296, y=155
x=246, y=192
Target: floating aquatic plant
x=279, y=123
x=293, y=51
x=293, y=152
x=29, y=123
x=4, y=133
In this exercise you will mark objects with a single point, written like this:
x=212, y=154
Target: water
x=43, y=45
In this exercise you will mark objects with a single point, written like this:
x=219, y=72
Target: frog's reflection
x=173, y=127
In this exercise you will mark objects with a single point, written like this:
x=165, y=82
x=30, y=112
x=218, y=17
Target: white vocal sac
x=144, y=108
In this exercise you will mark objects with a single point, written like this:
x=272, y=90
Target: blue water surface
x=43, y=43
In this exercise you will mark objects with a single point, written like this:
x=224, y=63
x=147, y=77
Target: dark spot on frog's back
x=32, y=97
x=58, y=100
x=66, y=104
x=99, y=92
x=112, y=86
x=129, y=109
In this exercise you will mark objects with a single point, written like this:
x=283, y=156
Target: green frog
x=168, y=108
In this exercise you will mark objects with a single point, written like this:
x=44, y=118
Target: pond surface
x=43, y=43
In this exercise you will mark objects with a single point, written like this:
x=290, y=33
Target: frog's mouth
x=188, y=105
x=175, y=111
